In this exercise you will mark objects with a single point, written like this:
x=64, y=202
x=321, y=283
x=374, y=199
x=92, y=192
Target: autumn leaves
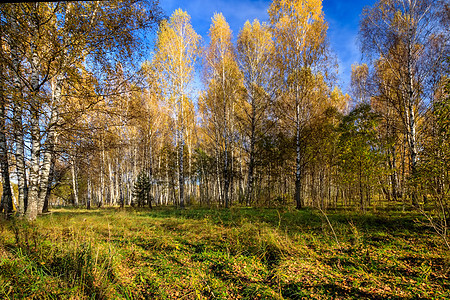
x=265, y=122
x=275, y=74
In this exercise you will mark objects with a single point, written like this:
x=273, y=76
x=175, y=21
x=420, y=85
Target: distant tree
x=141, y=190
x=360, y=152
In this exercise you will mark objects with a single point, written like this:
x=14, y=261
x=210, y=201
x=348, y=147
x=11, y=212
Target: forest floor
x=241, y=253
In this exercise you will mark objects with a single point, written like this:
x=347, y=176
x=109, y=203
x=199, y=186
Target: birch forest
x=254, y=118
x=142, y=160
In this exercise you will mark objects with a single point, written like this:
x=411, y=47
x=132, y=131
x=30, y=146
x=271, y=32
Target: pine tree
x=141, y=190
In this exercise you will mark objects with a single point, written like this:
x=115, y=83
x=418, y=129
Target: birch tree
x=224, y=81
x=255, y=49
x=177, y=50
x=6, y=198
x=301, y=54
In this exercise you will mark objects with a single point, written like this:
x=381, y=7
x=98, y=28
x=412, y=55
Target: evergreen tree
x=141, y=190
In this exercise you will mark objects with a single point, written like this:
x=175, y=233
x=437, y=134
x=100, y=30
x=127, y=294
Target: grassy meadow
x=240, y=253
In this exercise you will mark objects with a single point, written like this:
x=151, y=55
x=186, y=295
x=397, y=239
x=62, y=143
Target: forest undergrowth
x=240, y=253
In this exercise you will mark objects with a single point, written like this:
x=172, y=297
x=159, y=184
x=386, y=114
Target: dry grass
x=221, y=254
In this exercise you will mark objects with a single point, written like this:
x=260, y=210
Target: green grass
x=241, y=253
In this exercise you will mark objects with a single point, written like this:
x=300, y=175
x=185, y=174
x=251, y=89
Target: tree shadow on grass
x=330, y=291
x=291, y=220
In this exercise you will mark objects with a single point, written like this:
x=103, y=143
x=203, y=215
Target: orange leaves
x=298, y=9
x=177, y=51
x=302, y=58
x=299, y=32
x=222, y=72
x=220, y=34
x=299, y=15
x=220, y=58
x=255, y=43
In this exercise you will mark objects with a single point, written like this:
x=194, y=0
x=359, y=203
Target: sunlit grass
x=201, y=253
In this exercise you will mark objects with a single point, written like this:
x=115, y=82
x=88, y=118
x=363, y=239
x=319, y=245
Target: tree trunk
x=252, y=155
x=33, y=200
x=102, y=175
x=361, y=197
x=117, y=183
x=74, y=182
x=33, y=197
x=190, y=181
x=393, y=176
x=89, y=193
x=219, y=185
x=49, y=184
x=410, y=114
x=167, y=181
x=112, y=192
x=49, y=144
x=241, y=178
x=121, y=190
x=181, y=168
x=150, y=168
x=225, y=161
x=6, y=203
x=298, y=186
x=249, y=196
x=412, y=150
x=18, y=134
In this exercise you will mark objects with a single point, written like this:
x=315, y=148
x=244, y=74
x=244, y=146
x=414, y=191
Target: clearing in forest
x=240, y=253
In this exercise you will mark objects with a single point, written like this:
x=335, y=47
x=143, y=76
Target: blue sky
x=342, y=17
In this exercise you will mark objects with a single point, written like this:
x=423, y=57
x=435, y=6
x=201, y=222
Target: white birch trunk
x=180, y=159
x=112, y=192
x=18, y=133
x=102, y=176
x=49, y=144
x=33, y=196
x=74, y=183
x=298, y=199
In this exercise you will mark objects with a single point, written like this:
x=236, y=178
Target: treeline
x=270, y=127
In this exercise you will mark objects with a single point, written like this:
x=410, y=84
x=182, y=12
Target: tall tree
x=254, y=51
x=224, y=82
x=301, y=55
x=177, y=51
